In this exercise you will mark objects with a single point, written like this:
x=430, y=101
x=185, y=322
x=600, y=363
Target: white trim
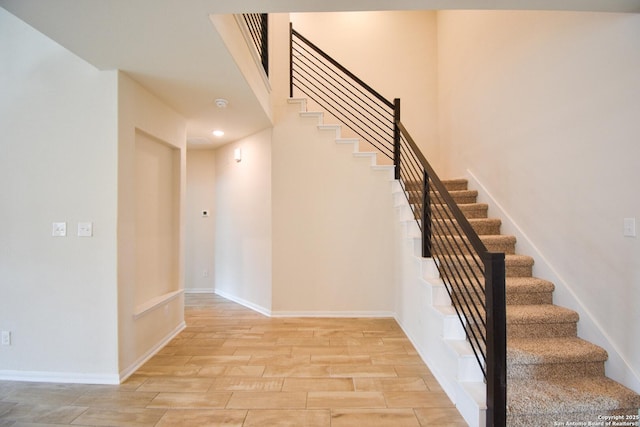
x=154, y=303
x=617, y=367
x=199, y=291
x=126, y=373
x=335, y=314
x=59, y=377
x=243, y=302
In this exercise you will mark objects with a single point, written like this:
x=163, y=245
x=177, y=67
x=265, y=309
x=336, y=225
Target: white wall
x=200, y=230
x=332, y=225
x=144, y=326
x=542, y=108
x=394, y=52
x=243, y=222
x=58, y=154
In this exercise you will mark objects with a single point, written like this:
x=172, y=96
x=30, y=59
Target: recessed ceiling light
x=218, y=133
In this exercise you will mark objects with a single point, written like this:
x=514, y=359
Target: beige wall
x=243, y=234
x=58, y=154
x=542, y=108
x=332, y=225
x=393, y=52
x=148, y=318
x=200, y=230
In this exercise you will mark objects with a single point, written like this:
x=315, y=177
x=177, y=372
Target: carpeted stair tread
x=456, y=184
x=528, y=284
x=591, y=395
x=485, y=226
x=500, y=243
x=459, y=196
x=528, y=290
x=541, y=313
x=474, y=210
x=553, y=350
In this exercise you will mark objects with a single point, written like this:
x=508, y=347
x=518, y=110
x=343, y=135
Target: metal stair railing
x=473, y=276
x=258, y=27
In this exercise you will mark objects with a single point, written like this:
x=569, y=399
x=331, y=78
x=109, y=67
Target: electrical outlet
x=5, y=338
x=205, y=273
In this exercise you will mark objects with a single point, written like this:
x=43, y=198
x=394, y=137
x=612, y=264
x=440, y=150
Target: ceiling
x=172, y=48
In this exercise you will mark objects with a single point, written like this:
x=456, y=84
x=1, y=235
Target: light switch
x=59, y=229
x=630, y=227
x=85, y=229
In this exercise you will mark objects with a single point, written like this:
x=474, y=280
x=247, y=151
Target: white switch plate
x=6, y=338
x=85, y=229
x=59, y=229
x=630, y=227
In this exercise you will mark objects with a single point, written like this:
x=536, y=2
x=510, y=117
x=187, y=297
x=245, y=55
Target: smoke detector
x=221, y=103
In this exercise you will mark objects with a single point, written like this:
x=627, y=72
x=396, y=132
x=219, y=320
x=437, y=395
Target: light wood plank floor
x=234, y=367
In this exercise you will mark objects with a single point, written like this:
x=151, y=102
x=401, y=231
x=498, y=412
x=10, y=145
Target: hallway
x=235, y=367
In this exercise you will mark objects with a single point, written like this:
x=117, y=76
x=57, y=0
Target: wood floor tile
x=390, y=384
x=297, y=371
x=337, y=359
x=175, y=384
x=345, y=399
x=168, y=371
x=280, y=360
x=247, y=384
x=219, y=360
x=267, y=400
x=444, y=417
x=318, y=384
x=203, y=418
x=357, y=371
x=190, y=400
x=288, y=418
x=374, y=418
x=121, y=417
x=234, y=367
x=115, y=399
x=43, y=413
x=416, y=399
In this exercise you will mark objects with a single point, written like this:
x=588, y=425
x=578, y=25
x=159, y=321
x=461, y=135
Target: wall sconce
x=237, y=155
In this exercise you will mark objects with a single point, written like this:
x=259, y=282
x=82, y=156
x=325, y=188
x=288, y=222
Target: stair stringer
x=617, y=367
x=425, y=314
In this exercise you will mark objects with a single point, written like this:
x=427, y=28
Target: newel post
x=495, y=296
x=396, y=137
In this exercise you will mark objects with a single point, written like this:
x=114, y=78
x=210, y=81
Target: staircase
x=554, y=377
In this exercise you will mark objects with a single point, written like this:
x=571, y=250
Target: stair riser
x=542, y=330
x=555, y=371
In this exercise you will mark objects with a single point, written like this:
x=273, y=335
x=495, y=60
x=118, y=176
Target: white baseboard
x=59, y=377
x=617, y=367
x=243, y=302
x=342, y=314
x=199, y=290
x=126, y=373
